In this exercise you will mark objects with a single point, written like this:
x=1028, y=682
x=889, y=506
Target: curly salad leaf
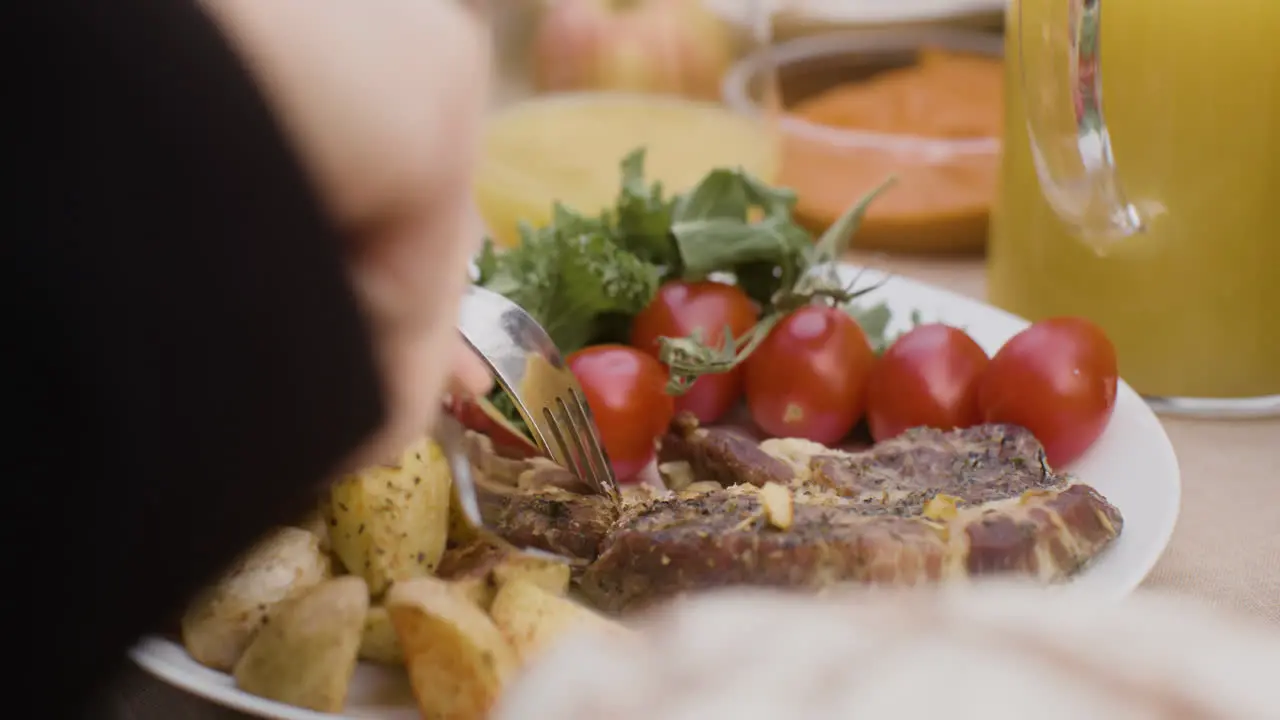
x=569, y=274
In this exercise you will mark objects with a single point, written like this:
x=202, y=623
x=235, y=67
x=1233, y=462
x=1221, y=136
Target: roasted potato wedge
x=458, y=660
x=306, y=653
x=544, y=573
x=379, y=643
x=317, y=524
x=532, y=618
x=389, y=523
x=223, y=619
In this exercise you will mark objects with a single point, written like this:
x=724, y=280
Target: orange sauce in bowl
x=933, y=125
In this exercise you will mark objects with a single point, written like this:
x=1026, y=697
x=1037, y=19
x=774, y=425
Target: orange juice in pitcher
x=1156, y=214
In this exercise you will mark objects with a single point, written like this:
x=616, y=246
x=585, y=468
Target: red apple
x=673, y=47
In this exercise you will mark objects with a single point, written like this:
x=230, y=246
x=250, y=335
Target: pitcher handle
x=1062, y=85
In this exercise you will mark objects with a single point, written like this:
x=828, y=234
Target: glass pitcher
x=1160, y=217
x=584, y=82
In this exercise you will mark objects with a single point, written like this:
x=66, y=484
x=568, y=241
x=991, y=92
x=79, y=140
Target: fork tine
x=576, y=442
x=564, y=437
x=593, y=452
x=575, y=429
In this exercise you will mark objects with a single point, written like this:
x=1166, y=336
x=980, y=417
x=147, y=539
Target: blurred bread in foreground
x=990, y=652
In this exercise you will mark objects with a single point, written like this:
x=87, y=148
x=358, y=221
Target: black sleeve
x=185, y=360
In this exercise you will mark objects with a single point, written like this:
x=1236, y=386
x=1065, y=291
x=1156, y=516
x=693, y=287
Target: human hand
x=383, y=100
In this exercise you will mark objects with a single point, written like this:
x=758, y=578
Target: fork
x=529, y=367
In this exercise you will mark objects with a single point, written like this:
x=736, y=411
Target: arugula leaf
x=760, y=281
x=726, y=193
x=835, y=241
x=714, y=231
x=722, y=194
x=774, y=201
x=733, y=194
x=720, y=244
x=874, y=321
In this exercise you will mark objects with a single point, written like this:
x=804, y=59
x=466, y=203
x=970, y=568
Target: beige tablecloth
x=1225, y=550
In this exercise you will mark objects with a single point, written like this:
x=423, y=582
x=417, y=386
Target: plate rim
x=150, y=651
x=1162, y=536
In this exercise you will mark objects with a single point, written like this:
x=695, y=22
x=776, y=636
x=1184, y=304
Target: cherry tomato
x=626, y=390
x=928, y=377
x=681, y=308
x=808, y=378
x=1057, y=378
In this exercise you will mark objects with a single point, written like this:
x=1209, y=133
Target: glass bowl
x=945, y=181
x=798, y=18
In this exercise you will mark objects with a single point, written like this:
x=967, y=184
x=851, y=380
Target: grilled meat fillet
x=924, y=507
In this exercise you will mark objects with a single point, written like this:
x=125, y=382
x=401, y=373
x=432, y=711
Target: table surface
x=1225, y=550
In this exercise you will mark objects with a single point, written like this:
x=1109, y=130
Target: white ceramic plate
x=833, y=14
x=1133, y=465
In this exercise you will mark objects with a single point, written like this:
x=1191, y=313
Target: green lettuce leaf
x=732, y=222
x=642, y=223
